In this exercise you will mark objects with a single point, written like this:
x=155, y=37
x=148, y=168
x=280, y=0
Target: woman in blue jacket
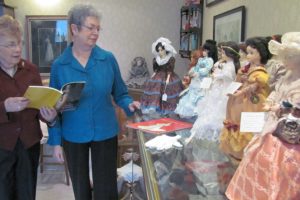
x=92, y=126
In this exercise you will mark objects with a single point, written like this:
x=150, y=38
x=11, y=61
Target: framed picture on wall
x=212, y=2
x=230, y=25
x=47, y=37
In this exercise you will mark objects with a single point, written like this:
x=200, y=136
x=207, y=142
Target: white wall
x=129, y=26
x=263, y=17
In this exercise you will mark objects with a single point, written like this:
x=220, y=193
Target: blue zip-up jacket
x=94, y=119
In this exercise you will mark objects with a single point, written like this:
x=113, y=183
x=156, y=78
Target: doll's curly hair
x=195, y=55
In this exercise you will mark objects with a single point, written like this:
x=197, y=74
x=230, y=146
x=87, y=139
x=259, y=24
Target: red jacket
x=24, y=124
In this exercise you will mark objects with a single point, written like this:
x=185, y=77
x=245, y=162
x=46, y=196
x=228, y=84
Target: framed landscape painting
x=230, y=25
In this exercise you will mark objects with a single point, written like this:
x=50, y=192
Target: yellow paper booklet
x=66, y=99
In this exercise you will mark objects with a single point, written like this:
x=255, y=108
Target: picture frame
x=230, y=25
x=212, y=2
x=47, y=37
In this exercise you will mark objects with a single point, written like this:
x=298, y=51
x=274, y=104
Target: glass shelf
x=175, y=173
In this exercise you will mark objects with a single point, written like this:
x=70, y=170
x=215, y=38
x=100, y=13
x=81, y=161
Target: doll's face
x=205, y=53
x=224, y=56
x=193, y=59
x=243, y=54
x=253, y=56
x=162, y=52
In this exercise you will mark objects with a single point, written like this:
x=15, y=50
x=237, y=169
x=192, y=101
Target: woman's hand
x=58, y=153
x=134, y=105
x=49, y=114
x=15, y=104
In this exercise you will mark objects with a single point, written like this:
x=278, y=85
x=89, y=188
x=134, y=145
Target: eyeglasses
x=92, y=28
x=13, y=45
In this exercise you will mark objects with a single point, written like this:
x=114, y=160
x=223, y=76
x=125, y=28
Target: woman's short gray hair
x=78, y=14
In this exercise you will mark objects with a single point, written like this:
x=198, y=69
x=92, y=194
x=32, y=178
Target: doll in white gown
x=206, y=129
x=212, y=108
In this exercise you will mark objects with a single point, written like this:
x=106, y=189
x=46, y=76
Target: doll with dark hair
x=188, y=102
x=208, y=123
x=261, y=46
x=231, y=50
x=250, y=97
x=270, y=167
x=211, y=114
x=210, y=46
x=162, y=90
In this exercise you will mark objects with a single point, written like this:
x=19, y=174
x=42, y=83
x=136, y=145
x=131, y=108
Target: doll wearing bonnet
x=271, y=163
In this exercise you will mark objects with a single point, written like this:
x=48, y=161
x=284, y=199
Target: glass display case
x=172, y=172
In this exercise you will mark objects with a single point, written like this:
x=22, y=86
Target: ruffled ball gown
x=155, y=87
x=188, y=102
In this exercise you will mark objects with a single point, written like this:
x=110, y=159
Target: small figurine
x=162, y=90
x=138, y=73
x=130, y=174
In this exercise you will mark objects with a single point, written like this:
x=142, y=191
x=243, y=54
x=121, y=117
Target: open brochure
x=64, y=100
x=160, y=126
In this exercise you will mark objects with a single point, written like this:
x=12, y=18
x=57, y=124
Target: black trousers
x=18, y=172
x=104, y=169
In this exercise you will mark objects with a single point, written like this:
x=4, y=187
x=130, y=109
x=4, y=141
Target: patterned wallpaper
x=129, y=26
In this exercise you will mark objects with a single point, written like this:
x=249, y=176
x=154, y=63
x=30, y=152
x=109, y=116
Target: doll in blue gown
x=188, y=102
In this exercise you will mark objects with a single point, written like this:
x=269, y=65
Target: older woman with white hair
x=20, y=132
x=93, y=125
x=271, y=163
